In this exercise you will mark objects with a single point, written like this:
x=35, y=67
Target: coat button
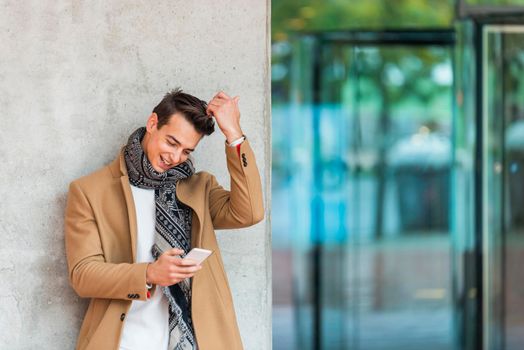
x=122, y=317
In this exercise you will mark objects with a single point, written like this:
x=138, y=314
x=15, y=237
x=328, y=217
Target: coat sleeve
x=243, y=205
x=89, y=273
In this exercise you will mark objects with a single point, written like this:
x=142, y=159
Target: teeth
x=165, y=162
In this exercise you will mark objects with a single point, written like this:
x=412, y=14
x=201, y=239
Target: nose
x=175, y=156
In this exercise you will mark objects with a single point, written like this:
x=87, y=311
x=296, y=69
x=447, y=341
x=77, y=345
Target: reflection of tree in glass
x=399, y=87
x=321, y=15
x=294, y=16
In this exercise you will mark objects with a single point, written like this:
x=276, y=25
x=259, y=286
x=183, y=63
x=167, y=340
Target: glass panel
x=385, y=158
x=403, y=246
x=361, y=199
x=513, y=108
x=503, y=215
x=292, y=159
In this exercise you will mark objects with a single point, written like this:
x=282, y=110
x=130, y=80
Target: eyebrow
x=174, y=139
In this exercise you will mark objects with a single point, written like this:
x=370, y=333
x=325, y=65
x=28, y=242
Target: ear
x=152, y=122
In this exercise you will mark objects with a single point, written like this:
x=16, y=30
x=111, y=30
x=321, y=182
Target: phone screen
x=198, y=254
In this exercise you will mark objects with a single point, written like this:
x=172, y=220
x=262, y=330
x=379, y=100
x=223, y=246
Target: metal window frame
x=465, y=10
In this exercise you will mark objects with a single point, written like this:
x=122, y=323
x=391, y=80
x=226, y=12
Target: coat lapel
x=120, y=165
x=131, y=213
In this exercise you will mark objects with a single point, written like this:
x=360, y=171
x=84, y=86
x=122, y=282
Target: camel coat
x=100, y=239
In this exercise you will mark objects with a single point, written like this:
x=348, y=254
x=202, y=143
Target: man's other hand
x=170, y=269
x=226, y=112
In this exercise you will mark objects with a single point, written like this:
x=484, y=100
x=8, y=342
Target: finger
x=185, y=270
x=223, y=95
x=213, y=105
x=181, y=275
x=216, y=103
x=217, y=96
x=178, y=267
x=188, y=262
x=174, y=251
x=212, y=111
x=185, y=262
x=214, y=99
x=209, y=110
x=236, y=98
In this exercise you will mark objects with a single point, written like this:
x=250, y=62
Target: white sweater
x=146, y=324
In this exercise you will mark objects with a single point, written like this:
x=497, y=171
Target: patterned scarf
x=172, y=230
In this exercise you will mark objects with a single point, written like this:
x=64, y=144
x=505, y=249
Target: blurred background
x=398, y=174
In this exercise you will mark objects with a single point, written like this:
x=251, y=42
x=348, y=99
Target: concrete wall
x=75, y=79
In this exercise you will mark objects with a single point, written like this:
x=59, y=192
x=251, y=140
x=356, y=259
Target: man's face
x=171, y=144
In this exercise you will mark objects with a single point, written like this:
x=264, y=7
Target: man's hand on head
x=227, y=115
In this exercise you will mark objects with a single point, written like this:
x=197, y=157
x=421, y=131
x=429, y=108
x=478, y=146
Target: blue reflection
x=361, y=206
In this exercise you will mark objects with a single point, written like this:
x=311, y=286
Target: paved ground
x=380, y=331
x=393, y=295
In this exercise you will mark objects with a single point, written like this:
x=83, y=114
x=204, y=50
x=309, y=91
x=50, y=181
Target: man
x=129, y=225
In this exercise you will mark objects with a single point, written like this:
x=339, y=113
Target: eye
x=187, y=153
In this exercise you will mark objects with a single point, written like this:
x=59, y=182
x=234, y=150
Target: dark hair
x=191, y=108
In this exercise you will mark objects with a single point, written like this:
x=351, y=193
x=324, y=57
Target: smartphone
x=198, y=254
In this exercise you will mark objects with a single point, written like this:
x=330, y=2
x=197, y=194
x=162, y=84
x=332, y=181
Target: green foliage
x=390, y=77
x=320, y=15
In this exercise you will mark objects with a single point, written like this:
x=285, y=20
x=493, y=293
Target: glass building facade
x=398, y=182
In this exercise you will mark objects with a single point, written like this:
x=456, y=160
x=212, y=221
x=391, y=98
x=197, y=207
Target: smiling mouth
x=165, y=162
